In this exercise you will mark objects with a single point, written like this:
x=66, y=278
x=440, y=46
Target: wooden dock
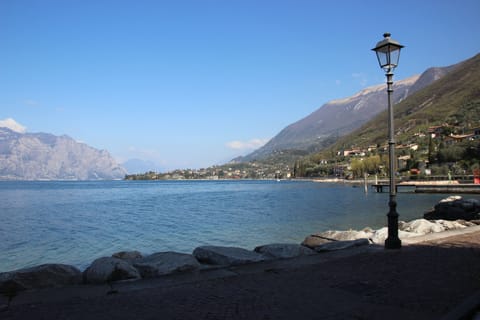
x=430, y=188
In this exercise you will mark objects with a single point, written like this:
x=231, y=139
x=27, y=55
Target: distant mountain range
x=43, y=156
x=340, y=117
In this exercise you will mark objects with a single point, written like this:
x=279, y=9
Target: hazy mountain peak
x=44, y=156
x=12, y=125
x=375, y=88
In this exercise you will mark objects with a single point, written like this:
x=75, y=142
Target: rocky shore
x=132, y=265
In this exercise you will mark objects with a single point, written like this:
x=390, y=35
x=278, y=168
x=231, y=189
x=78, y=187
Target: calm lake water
x=76, y=222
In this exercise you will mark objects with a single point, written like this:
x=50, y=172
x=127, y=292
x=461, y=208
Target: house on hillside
x=476, y=133
x=440, y=131
x=455, y=138
x=402, y=162
x=436, y=131
x=410, y=146
x=353, y=152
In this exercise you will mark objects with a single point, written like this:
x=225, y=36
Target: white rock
x=109, y=269
x=283, y=250
x=380, y=235
x=453, y=225
x=226, y=255
x=162, y=263
x=451, y=198
x=422, y=226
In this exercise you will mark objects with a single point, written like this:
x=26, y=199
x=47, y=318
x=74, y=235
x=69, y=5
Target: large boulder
x=455, y=208
x=457, y=224
x=318, y=239
x=421, y=226
x=217, y=255
x=340, y=245
x=162, y=263
x=108, y=269
x=283, y=250
x=380, y=235
x=42, y=276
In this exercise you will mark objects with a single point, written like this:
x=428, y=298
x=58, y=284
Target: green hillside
x=452, y=102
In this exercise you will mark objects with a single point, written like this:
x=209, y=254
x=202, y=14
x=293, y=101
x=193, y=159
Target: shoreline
x=83, y=261
x=407, y=229
x=282, y=289
x=431, y=251
x=421, y=228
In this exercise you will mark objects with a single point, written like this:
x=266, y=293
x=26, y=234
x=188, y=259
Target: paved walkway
x=423, y=280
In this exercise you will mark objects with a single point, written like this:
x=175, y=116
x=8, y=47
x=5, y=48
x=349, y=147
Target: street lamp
x=388, y=54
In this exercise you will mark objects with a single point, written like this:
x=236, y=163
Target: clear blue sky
x=190, y=84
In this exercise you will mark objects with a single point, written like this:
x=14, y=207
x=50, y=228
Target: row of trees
x=441, y=159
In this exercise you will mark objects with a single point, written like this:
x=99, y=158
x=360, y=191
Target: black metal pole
x=392, y=241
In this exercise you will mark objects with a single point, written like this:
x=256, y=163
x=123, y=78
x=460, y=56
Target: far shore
x=386, y=181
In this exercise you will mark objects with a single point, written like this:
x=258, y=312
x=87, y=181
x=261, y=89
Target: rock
x=421, y=226
x=109, y=269
x=163, y=263
x=127, y=255
x=316, y=240
x=475, y=222
x=380, y=235
x=453, y=225
x=340, y=245
x=455, y=208
x=226, y=255
x=42, y=276
x=450, y=199
x=283, y=250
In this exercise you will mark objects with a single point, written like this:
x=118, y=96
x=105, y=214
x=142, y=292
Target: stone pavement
x=433, y=277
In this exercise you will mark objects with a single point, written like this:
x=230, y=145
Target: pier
x=430, y=188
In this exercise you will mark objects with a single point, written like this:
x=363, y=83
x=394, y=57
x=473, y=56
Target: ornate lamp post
x=388, y=54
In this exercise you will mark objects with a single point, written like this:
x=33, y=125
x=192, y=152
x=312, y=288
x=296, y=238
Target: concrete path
x=430, y=278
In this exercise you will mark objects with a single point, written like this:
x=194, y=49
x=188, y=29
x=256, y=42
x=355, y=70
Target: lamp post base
x=393, y=243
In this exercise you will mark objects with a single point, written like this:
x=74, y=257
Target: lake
x=74, y=222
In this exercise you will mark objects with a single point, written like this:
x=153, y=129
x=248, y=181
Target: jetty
x=448, y=187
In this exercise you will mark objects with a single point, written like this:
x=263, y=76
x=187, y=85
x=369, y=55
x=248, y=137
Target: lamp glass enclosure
x=388, y=53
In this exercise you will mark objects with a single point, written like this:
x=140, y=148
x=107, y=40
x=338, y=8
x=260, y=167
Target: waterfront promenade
x=431, y=277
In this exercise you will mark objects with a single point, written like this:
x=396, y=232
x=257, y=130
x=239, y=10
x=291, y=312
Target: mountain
x=43, y=156
x=454, y=100
x=340, y=117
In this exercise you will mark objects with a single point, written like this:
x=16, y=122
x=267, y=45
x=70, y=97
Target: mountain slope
x=43, y=156
x=454, y=99
x=339, y=117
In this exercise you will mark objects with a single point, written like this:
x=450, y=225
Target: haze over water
x=77, y=222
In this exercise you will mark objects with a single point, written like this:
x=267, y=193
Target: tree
x=370, y=165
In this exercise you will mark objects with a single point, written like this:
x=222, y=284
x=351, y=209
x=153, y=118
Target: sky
x=194, y=83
